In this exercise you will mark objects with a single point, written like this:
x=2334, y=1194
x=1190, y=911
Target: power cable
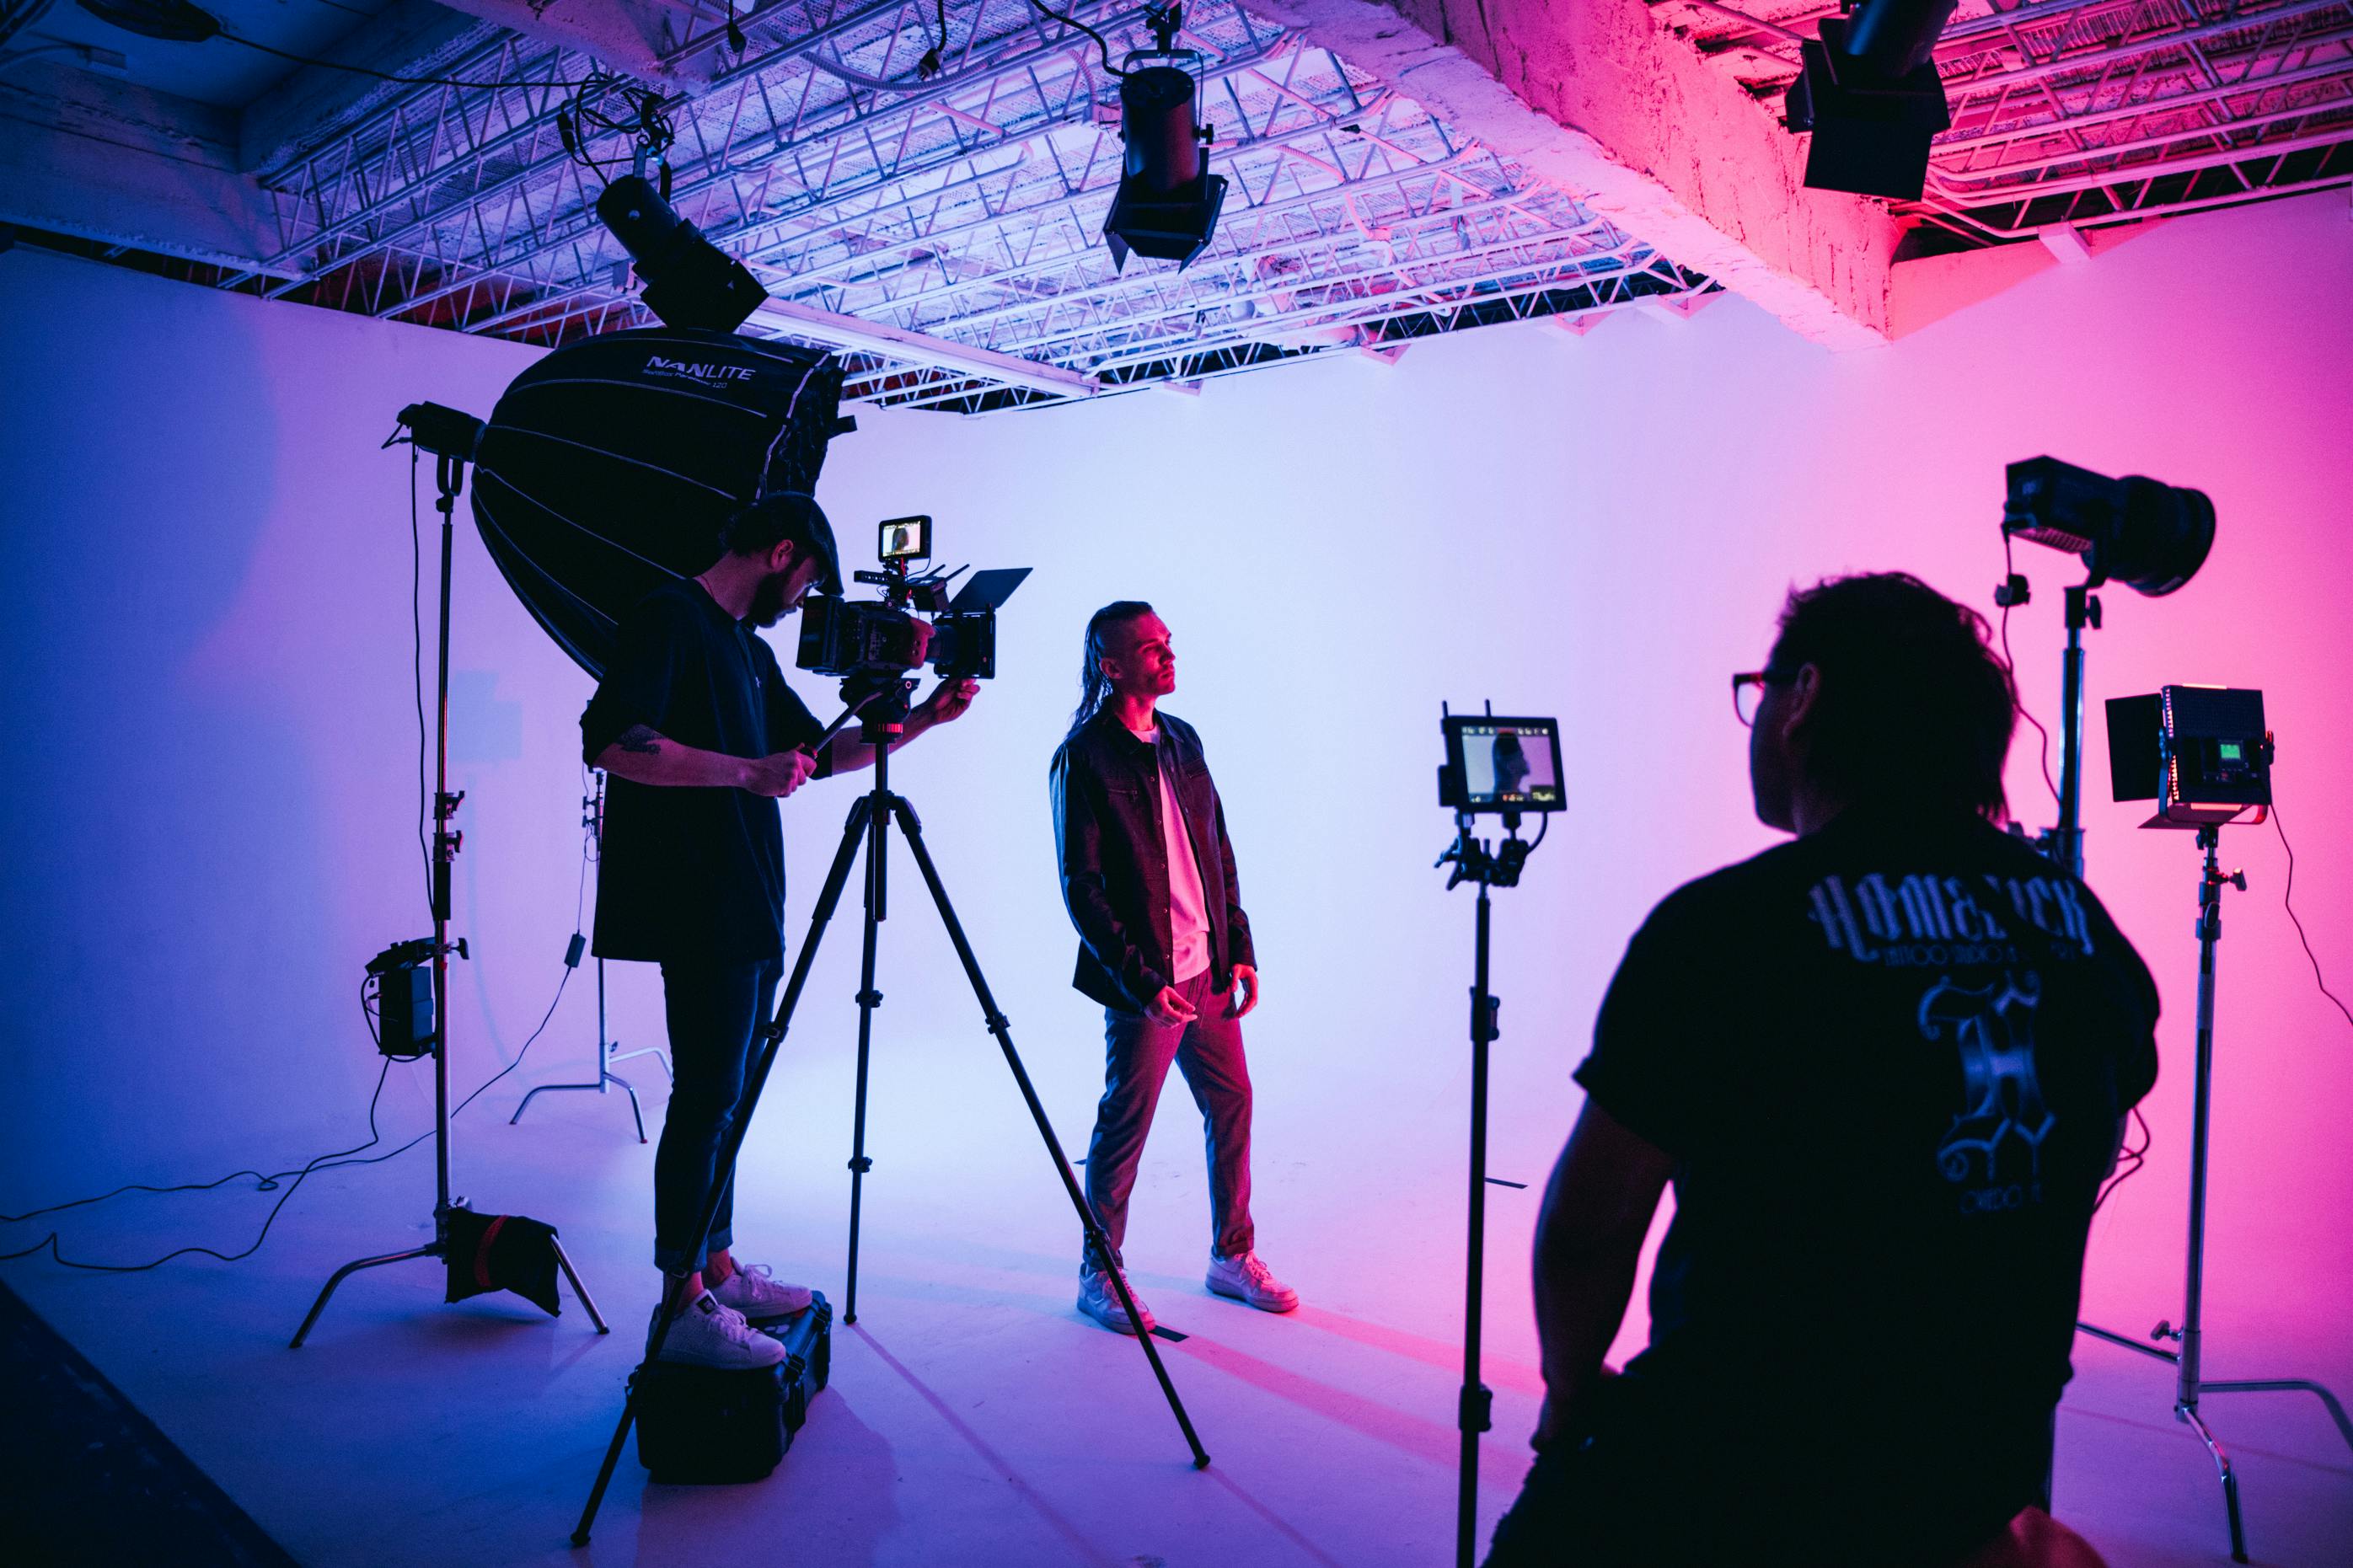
x=2287, y=901
x=383, y=76
x=1072, y=20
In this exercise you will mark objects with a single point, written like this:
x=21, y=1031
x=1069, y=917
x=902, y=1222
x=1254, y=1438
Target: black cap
x=788, y=514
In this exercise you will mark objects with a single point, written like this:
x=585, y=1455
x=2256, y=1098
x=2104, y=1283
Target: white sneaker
x=1245, y=1278
x=1098, y=1301
x=708, y=1335
x=760, y=1296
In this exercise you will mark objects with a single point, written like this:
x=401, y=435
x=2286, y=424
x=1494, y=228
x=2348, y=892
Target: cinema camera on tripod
x=871, y=644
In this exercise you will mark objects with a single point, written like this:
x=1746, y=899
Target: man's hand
x=947, y=701
x=1245, y=995
x=1170, y=1007
x=779, y=774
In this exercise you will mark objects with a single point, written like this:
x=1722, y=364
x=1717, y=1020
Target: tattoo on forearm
x=638, y=738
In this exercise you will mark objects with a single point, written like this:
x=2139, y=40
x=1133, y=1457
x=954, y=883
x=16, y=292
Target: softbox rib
x=619, y=471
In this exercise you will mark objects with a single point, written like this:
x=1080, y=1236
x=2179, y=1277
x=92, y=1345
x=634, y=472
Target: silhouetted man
x=701, y=735
x=1885, y=1066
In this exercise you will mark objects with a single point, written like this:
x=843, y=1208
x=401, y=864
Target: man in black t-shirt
x=1885, y=1066
x=701, y=735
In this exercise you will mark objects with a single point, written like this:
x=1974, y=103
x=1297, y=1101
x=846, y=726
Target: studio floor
x=973, y=1417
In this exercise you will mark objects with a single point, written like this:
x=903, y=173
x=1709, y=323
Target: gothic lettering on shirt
x=1945, y=922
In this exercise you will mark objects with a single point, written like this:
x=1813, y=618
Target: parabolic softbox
x=607, y=467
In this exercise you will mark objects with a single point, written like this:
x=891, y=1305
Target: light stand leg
x=724, y=1168
x=1475, y=1408
x=2230, y=1480
x=605, y=1075
x=998, y=1026
x=563, y=1261
x=348, y=1269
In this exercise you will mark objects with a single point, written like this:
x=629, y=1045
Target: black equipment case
x=699, y=1426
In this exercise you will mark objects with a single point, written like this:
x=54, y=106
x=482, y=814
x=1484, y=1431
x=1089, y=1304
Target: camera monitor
x=1501, y=765
x=904, y=539
x=2201, y=752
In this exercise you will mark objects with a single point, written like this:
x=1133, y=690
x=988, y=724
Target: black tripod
x=1474, y=1410
x=2189, y=1382
x=882, y=715
x=452, y=446
x=592, y=819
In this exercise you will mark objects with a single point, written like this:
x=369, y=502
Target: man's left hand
x=1245, y=995
x=948, y=701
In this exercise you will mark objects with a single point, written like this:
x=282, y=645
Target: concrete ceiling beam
x=409, y=38
x=627, y=35
x=1601, y=98
x=108, y=162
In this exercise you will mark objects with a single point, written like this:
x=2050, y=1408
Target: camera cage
x=864, y=640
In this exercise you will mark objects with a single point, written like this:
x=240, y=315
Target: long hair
x=1915, y=705
x=1094, y=686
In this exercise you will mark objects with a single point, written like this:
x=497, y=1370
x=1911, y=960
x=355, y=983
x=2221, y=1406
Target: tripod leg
x=780, y=1021
x=345, y=1272
x=2230, y=1480
x=563, y=1261
x=869, y=999
x=1000, y=1026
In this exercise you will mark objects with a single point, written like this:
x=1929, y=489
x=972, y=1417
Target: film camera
x=869, y=639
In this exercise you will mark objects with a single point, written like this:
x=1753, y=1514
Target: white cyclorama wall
x=215, y=742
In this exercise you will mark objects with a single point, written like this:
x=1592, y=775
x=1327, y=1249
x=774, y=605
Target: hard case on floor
x=699, y=1426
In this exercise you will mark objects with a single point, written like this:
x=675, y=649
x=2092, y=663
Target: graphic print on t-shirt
x=1992, y=1152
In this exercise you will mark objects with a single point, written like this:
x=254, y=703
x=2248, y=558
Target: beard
x=768, y=600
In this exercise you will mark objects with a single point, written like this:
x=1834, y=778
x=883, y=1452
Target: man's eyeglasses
x=1749, y=689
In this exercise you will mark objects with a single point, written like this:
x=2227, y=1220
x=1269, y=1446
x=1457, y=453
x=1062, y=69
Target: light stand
x=1473, y=862
x=2189, y=1382
x=445, y=433
x=2064, y=845
x=592, y=819
x=882, y=714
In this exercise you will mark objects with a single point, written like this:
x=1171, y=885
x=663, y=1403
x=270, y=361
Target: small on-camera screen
x=1512, y=763
x=906, y=539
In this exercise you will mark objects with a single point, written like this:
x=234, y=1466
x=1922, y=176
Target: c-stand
x=2064, y=845
x=450, y=437
x=2189, y=1382
x=882, y=713
x=1473, y=862
x=592, y=819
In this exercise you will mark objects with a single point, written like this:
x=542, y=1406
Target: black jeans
x=713, y=1012
x=1209, y=1052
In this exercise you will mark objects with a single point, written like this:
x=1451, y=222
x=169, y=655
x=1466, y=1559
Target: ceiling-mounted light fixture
x=690, y=282
x=1167, y=203
x=1871, y=96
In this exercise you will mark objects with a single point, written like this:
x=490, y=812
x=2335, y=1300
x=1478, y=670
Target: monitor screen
x=1506, y=764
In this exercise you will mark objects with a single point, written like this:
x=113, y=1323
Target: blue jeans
x=713, y=1012
x=1208, y=1051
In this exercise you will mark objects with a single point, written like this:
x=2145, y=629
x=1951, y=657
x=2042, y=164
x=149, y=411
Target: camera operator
x=1885, y=1066
x=1148, y=875
x=701, y=735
